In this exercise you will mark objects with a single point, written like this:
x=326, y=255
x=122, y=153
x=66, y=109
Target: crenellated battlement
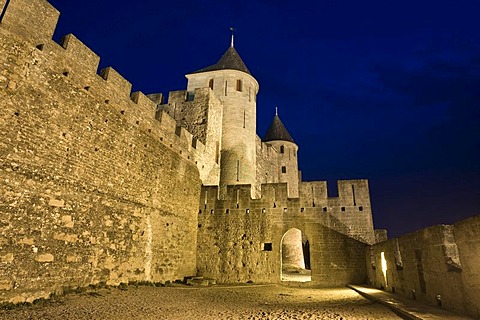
x=349, y=213
x=76, y=64
x=35, y=21
x=313, y=193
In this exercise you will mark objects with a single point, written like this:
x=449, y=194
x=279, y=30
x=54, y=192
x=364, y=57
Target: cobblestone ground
x=234, y=302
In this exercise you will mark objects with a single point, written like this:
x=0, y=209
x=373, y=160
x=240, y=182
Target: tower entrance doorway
x=295, y=257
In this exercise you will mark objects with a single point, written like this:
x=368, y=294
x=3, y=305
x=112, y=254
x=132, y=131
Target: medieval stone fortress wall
x=101, y=185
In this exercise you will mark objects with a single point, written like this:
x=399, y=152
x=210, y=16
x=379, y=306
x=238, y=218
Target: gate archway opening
x=295, y=257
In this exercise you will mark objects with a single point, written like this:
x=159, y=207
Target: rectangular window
x=210, y=84
x=226, y=87
x=284, y=169
x=244, y=119
x=267, y=246
x=239, y=85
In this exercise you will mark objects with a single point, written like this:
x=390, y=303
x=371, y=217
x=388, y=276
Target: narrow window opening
x=267, y=246
x=212, y=211
x=194, y=143
x=238, y=197
x=384, y=267
x=210, y=84
x=244, y=119
x=227, y=211
x=353, y=195
x=420, y=271
x=324, y=209
x=206, y=197
x=282, y=149
x=264, y=210
x=284, y=169
x=247, y=211
x=343, y=208
x=360, y=208
x=239, y=85
x=238, y=170
x=225, y=87
x=302, y=209
x=190, y=96
x=178, y=130
x=313, y=197
x=4, y=10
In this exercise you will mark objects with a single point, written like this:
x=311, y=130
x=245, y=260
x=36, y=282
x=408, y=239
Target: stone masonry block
x=46, y=257
x=56, y=203
x=6, y=285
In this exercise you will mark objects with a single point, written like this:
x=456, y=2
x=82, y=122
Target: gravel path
x=181, y=302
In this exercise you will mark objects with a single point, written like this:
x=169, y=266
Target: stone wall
x=239, y=238
x=201, y=114
x=437, y=265
x=238, y=149
x=93, y=187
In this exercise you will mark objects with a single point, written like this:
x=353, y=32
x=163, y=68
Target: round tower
x=279, y=137
x=237, y=89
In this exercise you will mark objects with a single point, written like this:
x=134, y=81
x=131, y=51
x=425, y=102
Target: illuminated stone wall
x=93, y=187
x=437, y=265
x=239, y=238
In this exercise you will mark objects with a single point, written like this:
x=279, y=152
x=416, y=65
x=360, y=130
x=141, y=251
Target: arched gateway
x=295, y=256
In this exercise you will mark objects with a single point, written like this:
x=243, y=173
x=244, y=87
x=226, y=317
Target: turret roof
x=230, y=60
x=277, y=131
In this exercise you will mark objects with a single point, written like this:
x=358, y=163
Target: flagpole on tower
x=233, y=31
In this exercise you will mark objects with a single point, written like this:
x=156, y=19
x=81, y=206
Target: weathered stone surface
x=46, y=257
x=76, y=148
x=56, y=203
x=6, y=284
x=7, y=258
x=440, y=261
x=99, y=184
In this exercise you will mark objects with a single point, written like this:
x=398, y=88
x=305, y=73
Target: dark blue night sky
x=384, y=90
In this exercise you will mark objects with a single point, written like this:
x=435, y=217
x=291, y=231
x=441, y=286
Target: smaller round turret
x=278, y=137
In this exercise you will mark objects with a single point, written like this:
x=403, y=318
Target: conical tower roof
x=230, y=60
x=277, y=131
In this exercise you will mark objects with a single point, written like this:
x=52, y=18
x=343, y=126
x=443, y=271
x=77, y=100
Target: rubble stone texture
x=102, y=185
